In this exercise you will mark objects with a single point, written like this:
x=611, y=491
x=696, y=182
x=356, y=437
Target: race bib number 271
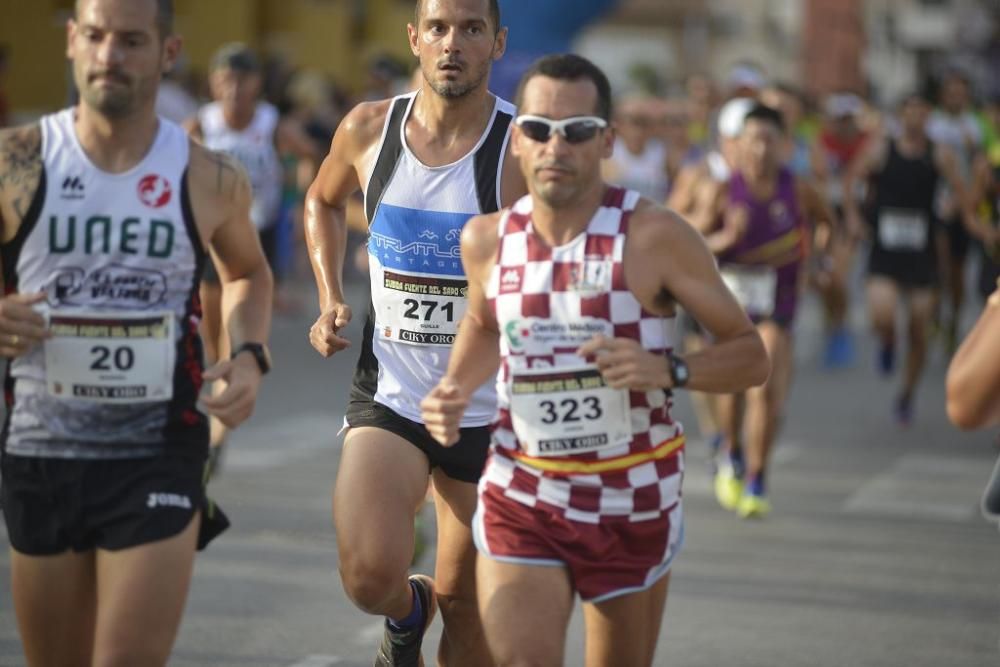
x=420, y=309
x=111, y=358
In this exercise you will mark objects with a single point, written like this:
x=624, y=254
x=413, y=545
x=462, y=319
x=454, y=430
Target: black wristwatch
x=260, y=354
x=678, y=370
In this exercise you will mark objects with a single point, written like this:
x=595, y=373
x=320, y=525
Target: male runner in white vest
x=240, y=123
x=107, y=214
x=427, y=161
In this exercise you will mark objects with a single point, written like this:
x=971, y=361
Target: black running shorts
x=463, y=461
x=54, y=505
x=958, y=238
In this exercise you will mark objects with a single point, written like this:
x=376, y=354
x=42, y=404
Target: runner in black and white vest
x=426, y=162
x=108, y=213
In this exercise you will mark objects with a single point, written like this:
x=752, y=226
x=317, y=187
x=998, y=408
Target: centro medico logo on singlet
x=516, y=334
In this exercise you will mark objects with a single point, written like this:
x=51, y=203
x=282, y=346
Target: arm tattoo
x=20, y=166
x=225, y=174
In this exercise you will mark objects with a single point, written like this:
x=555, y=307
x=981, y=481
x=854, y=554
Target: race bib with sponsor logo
x=903, y=230
x=420, y=309
x=111, y=357
x=567, y=411
x=755, y=287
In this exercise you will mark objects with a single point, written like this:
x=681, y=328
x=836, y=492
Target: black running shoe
x=401, y=648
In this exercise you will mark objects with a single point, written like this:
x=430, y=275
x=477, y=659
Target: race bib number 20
x=111, y=358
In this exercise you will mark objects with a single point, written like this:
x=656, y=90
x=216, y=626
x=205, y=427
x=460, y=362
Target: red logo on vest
x=155, y=191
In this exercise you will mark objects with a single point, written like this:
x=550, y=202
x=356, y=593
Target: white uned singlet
x=119, y=258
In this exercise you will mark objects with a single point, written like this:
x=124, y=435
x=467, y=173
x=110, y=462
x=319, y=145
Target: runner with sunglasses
x=572, y=294
x=427, y=162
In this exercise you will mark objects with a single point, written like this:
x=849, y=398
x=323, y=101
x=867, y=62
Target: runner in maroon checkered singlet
x=572, y=294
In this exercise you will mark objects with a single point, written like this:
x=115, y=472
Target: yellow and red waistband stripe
x=624, y=462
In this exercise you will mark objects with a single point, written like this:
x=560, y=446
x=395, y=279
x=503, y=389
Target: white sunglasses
x=574, y=130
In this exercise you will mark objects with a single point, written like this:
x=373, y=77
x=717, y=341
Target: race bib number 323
x=111, y=358
x=566, y=411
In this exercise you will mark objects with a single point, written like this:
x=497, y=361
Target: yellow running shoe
x=753, y=507
x=728, y=488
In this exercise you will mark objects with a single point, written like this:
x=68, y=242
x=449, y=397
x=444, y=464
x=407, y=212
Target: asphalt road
x=875, y=554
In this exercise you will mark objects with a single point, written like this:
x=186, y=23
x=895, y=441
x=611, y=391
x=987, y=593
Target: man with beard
x=572, y=295
x=427, y=161
x=108, y=213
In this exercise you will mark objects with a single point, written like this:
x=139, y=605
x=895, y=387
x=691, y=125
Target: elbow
x=961, y=416
x=954, y=391
x=964, y=411
x=762, y=373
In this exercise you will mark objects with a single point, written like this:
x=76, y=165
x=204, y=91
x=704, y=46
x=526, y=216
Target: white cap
x=732, y=115
x=745, y=75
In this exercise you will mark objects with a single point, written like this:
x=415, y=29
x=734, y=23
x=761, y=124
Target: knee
x=368, y=583
x=919, y=327
x=765, y=400
x=883, y=318
x=458, y=605
x=760, y=398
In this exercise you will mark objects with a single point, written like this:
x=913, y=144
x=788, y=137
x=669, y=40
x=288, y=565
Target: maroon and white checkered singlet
x=561, y=437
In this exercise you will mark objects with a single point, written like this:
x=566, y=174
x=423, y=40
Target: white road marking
x=923, y=486
x=318, y=661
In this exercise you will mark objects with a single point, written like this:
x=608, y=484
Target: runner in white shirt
x=427, y=161
x=242, y=125
x=108, y=214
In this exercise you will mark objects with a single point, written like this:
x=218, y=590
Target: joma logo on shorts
x=168, y=500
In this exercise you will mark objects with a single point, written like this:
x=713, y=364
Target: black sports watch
x=679, y=374
x=260, y=354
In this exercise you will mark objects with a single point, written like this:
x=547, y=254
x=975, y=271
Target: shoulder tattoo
x=222, y=175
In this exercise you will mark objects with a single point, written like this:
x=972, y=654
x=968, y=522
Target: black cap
x=236, y=56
